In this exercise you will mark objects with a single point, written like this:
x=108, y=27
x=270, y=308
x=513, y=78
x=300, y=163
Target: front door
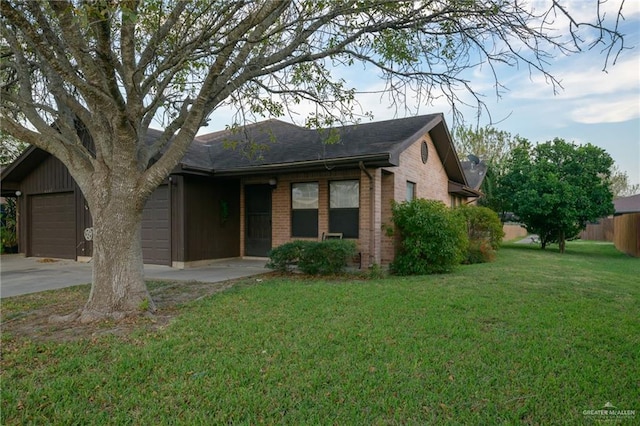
x=258, y=220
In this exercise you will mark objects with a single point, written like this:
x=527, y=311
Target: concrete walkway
x=20, y=275
x=529, y=239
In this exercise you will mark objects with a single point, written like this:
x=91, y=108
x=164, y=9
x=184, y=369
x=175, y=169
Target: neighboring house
x=627, y=205
x=229, y=198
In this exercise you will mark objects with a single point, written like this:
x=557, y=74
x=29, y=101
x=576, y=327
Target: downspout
x=372, y=234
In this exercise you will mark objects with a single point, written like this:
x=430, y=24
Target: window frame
x=304, y=221
x=338, y=216
x=413, y=186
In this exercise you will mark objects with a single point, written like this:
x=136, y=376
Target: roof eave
x=463, y=190
x=373, y=160
x=28, y=159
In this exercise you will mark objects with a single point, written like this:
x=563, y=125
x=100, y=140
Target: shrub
x=326, y=257
x=312, y=257
x=285, y=257
x=433, y=239
x=484, y=231
x=479, y=252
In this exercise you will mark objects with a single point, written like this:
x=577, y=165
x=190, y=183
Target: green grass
x=535, y=337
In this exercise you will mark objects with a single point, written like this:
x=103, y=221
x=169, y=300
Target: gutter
x=380, y=160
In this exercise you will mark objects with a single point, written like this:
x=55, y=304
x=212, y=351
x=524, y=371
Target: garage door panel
x=52, y=225
x=156, y=228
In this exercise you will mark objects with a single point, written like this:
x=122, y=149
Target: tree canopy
x=112, y=69
x=492, y=147
x=556, y=188
x=620, y=185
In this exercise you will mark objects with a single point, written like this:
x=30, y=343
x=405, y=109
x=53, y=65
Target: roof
x=277, y=146
x=274, y=145
x=474, y=173
x=627, y=204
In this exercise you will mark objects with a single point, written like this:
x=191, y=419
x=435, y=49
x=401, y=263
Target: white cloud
x=614, y=111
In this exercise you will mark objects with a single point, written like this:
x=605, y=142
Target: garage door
x=156, y=228
x=52, y=226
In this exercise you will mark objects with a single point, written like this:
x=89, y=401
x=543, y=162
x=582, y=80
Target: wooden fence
x=601, y=231
x=513, y=231
x=627, y=234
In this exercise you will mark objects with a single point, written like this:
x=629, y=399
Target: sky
x=593, y=106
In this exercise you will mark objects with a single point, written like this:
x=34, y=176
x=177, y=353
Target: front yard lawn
x=535, y=338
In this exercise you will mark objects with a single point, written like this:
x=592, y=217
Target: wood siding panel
x=156, y=228
x=83, y=221
x=50, y=176
x=211, y=218
x=52, y=226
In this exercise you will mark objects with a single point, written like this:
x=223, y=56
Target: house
x=626, y=205
x=240, y=193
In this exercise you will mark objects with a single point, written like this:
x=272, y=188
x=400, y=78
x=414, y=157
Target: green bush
x=327, y=257
x=433, y=239
x=484, y=231
x=312, y=257
x=285, y=257
x=8, y=230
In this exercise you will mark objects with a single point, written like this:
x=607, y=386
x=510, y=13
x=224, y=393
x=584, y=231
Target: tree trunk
x=118, y=289
x=561, y=241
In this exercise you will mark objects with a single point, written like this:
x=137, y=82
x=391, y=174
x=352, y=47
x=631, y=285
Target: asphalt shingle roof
x=275, y=142
x=627, y=204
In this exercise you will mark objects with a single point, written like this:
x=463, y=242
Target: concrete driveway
x=20, y=275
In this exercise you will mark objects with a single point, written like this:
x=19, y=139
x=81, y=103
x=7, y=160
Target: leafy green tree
x=10, y=148
x=556, y=188
x=484, y=230
x=487, y=143
x=491, y=146
x=619, y=182
x=112, y=68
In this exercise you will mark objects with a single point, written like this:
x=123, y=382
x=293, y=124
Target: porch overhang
x=463, y=190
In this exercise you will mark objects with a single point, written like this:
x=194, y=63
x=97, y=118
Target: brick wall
x=431, y=179
x=431, y=183
x=378, y=187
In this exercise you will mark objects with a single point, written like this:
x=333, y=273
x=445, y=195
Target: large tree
x=112, y=68
x=620, y=185
x=492, y=147
x=10, y=148
x=556, y=188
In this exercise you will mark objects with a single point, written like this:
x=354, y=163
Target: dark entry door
x=258, y=220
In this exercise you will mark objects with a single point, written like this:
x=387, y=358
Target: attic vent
x=424, y=152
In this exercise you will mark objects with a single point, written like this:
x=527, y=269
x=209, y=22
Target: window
x=411, y=191
x=344, y=207
x=304, y=209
